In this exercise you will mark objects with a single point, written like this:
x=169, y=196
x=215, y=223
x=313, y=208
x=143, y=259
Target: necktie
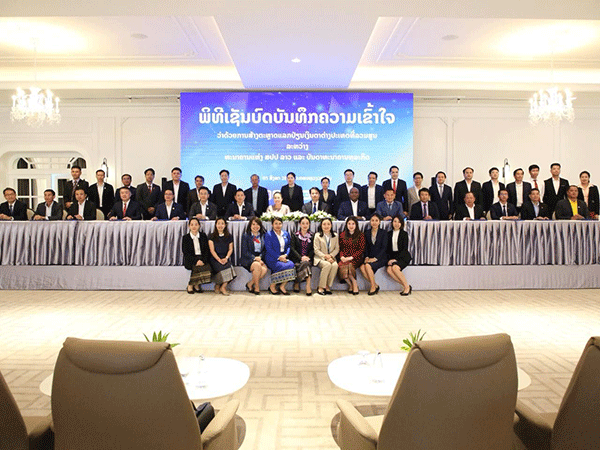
x=124, y=209
x=504, y=210
x=390, y=206
x=314, y=207
x=150, y=188
x=74, y=187
x=11, y=209
x=425, y=210
x=535, y=182
x=441, y=191
x=394, y=186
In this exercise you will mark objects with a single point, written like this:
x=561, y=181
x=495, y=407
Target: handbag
x=204, y=414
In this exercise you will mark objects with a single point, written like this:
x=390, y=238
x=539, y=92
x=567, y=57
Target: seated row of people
x=290, y=257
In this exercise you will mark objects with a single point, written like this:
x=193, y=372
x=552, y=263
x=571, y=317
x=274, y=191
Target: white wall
x=134, y=137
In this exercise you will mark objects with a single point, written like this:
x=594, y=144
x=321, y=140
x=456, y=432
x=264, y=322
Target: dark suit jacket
x=564, y=211
x=593, y=200
x=379, y=249
x=55, y=213
x=462, y=212
x=364, y=194
x=512, y=192
x=118, y=194
x=401, y=191
x=189, y=253
x=496, y=210
x=416, y=212
x=342, y=192
x=460, y=190
x=384, y=211
x=528, y=211
x=551, y=198
x=321, y=206
x=296, y=201
x=262, y=201
x=89, y=210
x=19, y=210
x=247, y=253
x=211, y=210
x=331, y=201
x=402, y=254
x=108, y=197
x=148, y=199
x=247, y=210
x=223, y=201
x=176, y=211
x=444, y=204
x=68, y=193
x=345, y=210
x=296, y=249
x=134, y=210
x=487, y=194
x=182, y=194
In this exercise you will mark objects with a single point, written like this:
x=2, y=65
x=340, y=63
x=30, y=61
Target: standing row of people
x=291, y=257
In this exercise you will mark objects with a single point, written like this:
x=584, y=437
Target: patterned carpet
x=287, y=342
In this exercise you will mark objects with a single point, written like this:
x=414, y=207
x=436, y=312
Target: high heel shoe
x=191, y=292
x=273, y=293
x=320, y=292
x=355, y=293
x=375, y=291
x=283, y=292
x=404, y=294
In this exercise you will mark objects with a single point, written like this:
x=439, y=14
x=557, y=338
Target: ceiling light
x=139, y=36
x=37, y=107
x=450, y=37
x=295, y=60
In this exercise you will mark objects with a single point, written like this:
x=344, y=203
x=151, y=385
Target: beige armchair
x=455, y=394
x=576, y=425
x=118, y=394
x=18, y=432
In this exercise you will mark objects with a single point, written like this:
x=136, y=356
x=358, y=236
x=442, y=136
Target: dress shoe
x=191, y=292
x=375, y=291
x=328, y=292
x=320, y=292
x=404, y=294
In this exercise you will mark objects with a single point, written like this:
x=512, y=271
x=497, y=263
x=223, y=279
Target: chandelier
x=36, y=107
x=551, y=105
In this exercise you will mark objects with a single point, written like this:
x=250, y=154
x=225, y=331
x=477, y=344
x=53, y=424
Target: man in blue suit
x=441, y=195
x=389, y=207
x=371, y=193
x=353, y=207
x=502, y=209
x=169, y=210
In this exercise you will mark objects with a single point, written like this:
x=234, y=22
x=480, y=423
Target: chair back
x=30, y=213
x=99, y=214
x=119, y=394
x=13, y=432
x=577, y=425
x=456, y=394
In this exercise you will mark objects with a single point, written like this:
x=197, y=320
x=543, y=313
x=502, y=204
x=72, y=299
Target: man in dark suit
x=490, y=189
x=441, y=195
x=240, y=209
x=371, y=193
x=223, y=194
x=518, y=190
x=203, y=210
x=398, y=186
x=81, y=208
x=126, y=180
x=48, y=209
x=389, y=207
x=343, y=190
x=502, y=209
x=328, y=196
x=126, y=209
x=169, y=210
x=555, y=188
x=571, y=208
x=12, y=209
x=467, y=185
x=469, y=210
x=194, y=194
x=315, y=204
x=148, y=194
x=353, y=207
x=292, y=193
x=424, y=209
x=102, y=194
x=257, y=195
x=533, y=209
x=179, y=188
x=71, y=185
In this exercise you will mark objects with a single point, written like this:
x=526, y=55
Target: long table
x=144, y=243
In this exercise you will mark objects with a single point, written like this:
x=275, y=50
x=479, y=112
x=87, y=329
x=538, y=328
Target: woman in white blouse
x=278, y=206
x=327, y=246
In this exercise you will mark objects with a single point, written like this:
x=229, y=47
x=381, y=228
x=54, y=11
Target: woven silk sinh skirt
x=225, y=275
x=200, y=275
x=345, y=269
x=303, y=270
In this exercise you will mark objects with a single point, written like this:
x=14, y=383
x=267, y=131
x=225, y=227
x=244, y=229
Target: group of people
x=291, y=257
x=469, y=200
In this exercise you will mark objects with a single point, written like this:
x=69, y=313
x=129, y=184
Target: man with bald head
x=353, y=207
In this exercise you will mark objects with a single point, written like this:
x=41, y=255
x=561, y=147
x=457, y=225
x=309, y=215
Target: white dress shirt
x=471, y=210
x=519, y=188
x=169, y=209
x=224, y=188
x=371, y=197
x=354, y=208
x=395, y=234
x=495, y=189
x=281, y=242
x=196, y=241
x=203, y=208
x=48, y=210
x=556, y=184
x=176, y=189
x=81, y=208
x=468, y=185
x=100, y=191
